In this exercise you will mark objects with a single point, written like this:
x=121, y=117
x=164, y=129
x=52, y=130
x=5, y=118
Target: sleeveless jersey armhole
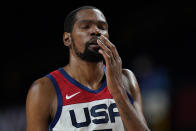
x=130, y=98
x=59, y=102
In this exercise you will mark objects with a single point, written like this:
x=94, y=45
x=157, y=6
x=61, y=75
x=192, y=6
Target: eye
x=102, y=27
x=85, y=26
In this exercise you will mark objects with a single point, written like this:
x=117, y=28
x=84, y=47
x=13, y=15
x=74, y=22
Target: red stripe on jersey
x=73, y=94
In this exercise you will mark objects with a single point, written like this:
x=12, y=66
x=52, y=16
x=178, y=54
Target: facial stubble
x=88, y=55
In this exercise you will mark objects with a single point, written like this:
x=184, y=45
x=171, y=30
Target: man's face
x=89, y=25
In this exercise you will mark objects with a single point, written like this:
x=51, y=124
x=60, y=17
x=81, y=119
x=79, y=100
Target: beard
x=88, y=55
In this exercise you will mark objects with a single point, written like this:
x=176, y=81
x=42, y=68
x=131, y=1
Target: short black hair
x=71, y=18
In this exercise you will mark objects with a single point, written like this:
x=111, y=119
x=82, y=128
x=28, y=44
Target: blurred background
x=155, y=40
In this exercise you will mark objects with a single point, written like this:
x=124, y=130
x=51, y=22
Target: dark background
x=161, y=30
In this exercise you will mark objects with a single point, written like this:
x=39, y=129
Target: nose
x=95, y=31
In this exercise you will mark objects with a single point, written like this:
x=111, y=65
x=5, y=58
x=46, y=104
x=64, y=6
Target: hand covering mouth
x=93, y=41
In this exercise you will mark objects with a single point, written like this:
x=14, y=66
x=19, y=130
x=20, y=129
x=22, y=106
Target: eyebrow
x=92, y=21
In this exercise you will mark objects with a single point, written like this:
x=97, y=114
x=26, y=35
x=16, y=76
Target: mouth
x=93, y=41
x=94, y=46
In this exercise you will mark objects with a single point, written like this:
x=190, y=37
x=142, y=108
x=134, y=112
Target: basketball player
x=86, y=94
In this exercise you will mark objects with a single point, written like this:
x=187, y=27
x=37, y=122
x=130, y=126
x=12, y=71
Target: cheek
x=81, y=36
x=80, y=39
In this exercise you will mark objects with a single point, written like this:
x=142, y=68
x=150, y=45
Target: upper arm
x=38, y=105
x=135, y=92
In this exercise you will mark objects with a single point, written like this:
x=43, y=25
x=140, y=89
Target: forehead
x=90, y=14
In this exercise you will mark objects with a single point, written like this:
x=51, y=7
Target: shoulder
x=41, y=94
x=134, y=89
x=39, y=104
x=42, y=85
x=129, y=75
x=131, y=81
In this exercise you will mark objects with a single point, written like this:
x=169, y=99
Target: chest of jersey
x=82, y=109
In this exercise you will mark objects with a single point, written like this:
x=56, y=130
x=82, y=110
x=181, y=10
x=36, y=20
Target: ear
x=66, y=39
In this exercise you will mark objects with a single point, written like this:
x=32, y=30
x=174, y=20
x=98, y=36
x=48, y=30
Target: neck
x=89, y=74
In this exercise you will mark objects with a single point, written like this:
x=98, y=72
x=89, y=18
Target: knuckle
x=108, y=57
x=109, y=52
x=113, y=47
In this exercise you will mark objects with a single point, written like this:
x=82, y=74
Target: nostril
x=95, y=34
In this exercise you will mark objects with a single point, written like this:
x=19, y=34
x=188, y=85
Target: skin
x=41, y=103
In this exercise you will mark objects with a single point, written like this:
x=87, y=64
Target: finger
x=106, y=56
x=104, y=48
x=110, y=46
